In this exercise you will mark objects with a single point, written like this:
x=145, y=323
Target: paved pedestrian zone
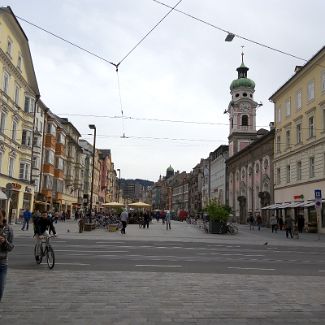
x=43, y=296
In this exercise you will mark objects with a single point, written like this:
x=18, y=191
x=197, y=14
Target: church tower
x=242, y=111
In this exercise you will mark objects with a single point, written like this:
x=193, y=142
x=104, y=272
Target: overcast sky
x=182, y=70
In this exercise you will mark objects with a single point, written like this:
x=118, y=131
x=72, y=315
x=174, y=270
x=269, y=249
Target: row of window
x=26, y=135
x=298, y=97
x=29, y=100
x=10, y=48
x=51, y=129
x=298, y=133
x=24, y=168
x=299, y=166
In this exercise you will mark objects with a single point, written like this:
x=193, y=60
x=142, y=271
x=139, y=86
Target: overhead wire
x=66, y=41
x=132, y=49
x=150, y=119
x=172, y=8
x=229, y=32
x=150, y=31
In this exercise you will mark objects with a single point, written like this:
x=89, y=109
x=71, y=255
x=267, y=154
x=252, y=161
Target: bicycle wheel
x=50, y=257
x=38, y=258
x=233, y=230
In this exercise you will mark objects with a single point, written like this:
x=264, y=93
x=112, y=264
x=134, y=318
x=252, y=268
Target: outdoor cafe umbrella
x=113, y=205
x=139, y=205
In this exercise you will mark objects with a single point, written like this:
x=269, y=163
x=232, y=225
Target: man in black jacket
x=42, y=224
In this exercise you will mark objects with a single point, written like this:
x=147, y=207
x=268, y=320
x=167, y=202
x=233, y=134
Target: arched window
x=244, y=120
x=232, y=123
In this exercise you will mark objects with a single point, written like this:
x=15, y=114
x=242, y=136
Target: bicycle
x=45, y=249
x=232, y=228
x=141, y=222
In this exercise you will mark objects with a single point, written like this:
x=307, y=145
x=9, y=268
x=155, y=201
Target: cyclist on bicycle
x=42, y=225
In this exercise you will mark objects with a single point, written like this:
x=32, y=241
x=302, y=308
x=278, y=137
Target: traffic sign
x=318, y=194
x=318, y=199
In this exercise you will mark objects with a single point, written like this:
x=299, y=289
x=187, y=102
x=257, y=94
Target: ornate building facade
x=250, y=163
x=18, y=97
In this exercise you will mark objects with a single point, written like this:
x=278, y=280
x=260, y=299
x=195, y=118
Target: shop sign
x=318, y=199
x=299, y=197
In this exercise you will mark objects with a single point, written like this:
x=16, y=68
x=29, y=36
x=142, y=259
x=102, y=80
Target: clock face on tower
x=244, y=107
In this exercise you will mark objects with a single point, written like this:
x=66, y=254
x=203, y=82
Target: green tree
x=217, y=212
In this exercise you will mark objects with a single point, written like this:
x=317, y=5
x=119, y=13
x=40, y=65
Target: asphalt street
x=99, y=255
x=154, y=276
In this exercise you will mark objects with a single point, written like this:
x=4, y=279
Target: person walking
x=301, y=223
x=26, y=215
x=124, y=219
x=146, y=219
x=259, y=221
x=251, y=222
x=289, y=225
x=6, y=245
x=274, y=223
x=167, y=220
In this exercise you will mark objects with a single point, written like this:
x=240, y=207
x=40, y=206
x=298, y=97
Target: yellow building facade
x=18, y=95
x=299, y=157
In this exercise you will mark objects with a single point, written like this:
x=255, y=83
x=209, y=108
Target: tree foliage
x=217, y=212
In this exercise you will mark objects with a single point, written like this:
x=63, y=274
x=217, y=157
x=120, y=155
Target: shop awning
x=41, y=202
x=271, y=207
x=296, y=204
x=3, y=196
x=309, y=204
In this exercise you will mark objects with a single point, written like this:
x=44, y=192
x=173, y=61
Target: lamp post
x=118, y=191
x=92, y=127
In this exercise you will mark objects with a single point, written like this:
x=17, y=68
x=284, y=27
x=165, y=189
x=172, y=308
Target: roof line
x=298, y=73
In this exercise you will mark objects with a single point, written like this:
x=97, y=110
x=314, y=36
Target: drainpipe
x=33, y=132
x=42, y=152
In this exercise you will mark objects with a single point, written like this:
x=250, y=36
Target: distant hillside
x=138, y=181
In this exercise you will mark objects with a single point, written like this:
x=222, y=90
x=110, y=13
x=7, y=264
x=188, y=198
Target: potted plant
x=218, y=216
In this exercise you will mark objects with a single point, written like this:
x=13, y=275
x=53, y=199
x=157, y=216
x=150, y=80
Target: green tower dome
x=170, y=169
x=242, y=80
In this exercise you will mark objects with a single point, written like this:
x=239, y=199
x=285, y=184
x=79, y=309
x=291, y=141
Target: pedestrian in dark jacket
x=6, y=245
x=26, y=215
x=146, y=219
x=289, y=225
x=301, y=223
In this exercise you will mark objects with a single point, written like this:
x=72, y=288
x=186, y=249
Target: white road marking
x=98, y=251
x=156, y=265
x=79, y=264
x=109, y=242
x=249, y=268
x=240, y=254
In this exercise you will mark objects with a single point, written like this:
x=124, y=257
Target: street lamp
x=119, y=184
x=92, y=127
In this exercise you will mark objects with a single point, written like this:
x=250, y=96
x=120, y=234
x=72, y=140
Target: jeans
x=25, y=223
x=3, y=274
x=123, y=228
x=289, y=232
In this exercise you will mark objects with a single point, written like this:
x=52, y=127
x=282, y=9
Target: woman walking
x=6, y=245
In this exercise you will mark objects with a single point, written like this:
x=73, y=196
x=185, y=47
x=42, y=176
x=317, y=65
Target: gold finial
x=242, y=54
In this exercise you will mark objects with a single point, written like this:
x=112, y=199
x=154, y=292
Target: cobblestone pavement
x=183, y=232
x=42, y=296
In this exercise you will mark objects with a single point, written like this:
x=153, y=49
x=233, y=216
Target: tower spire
x=242, y=54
